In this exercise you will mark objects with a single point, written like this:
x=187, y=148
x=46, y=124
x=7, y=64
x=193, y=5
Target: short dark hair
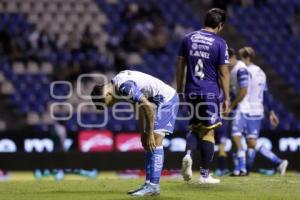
x=247, y=52
x=97, y=95
x=231, y=52
x=214, y=17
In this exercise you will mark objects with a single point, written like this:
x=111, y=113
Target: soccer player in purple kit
x=202, y=67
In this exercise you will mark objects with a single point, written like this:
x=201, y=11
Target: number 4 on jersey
x=199, y=69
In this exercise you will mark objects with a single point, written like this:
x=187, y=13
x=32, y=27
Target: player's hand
x=225, y=107
x=273, y=119
x=181, y=101
x=150, y=142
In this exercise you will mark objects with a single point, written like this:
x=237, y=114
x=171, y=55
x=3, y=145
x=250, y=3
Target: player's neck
x=248, y=63
x=208, y=29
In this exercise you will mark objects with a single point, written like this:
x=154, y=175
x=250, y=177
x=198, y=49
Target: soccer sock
x=192, y=141
x=251, y=157
x=148, y=156
x=236, y=163
x=241, y=154
x=269, y=155
x=207, y=155
x=222, y=162
x=157, y=160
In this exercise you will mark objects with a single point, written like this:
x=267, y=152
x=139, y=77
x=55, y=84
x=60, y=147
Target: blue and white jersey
x=239, y=78
x=258, y=85
x=135, y=85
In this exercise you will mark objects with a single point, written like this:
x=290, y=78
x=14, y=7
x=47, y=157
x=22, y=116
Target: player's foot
x=136, y=190
x=235, y=173
x=4, y=175
x=208, y=180
x=223, y=172
x=282, y=167
x=187, y=163
x=59, y=175
x=243, y=173
x=148, y=190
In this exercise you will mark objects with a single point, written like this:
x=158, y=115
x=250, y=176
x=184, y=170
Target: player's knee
x=251, y=143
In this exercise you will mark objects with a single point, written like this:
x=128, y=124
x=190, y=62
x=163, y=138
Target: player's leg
x=207, y=143
x=239, y=157
x=251, y=152
x=253, y=128
x=154, y=166
x=164, y=122
x=221, y=138
x=187, y=161
x=206, y=120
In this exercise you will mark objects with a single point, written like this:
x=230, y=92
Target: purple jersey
x=204, y=52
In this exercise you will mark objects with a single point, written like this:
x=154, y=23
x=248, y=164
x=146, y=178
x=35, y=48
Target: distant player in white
x=239, y=87
x=258, y=97
x=157, y=105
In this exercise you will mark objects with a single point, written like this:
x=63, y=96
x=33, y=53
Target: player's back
x=257, y=87
x=147, y=84
x=203, y=53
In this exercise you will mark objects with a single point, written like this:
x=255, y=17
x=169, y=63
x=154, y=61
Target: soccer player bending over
x=202, y=64
x=258, y=97
x=157, y=105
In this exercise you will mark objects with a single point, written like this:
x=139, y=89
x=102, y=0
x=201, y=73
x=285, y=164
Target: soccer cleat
x=235, y=173
x=147, y=190
x=282, y=167
x=59, y=174
x=136, y=190
x=243, y=173
x=208, y=180
x=187, y=171
x=223, y=172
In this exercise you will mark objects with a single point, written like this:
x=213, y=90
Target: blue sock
x=207, y=153
x=241, y=154
x=157, y=161
x=148, y=156
x=269, y=155
x=251, y=157
x=236, y=163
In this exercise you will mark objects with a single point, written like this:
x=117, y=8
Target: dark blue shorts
x=223, y=132
x=204, y=110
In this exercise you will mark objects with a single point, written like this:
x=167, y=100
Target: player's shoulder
x=190, y=35
x=241, y=65
x=256, y=69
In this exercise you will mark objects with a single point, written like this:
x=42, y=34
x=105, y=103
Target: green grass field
x=108, y=186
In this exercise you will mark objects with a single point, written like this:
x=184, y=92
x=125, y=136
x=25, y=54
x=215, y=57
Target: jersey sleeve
x=223, y=53
x=129, y=90
x=243, y=77
x=266, y=96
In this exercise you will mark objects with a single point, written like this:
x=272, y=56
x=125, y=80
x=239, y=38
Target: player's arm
x=224, y=74
x=181, y=70
x=272, y=115
x=129, y=90
x=147, y=108
x=180, y=74
x=243, y=77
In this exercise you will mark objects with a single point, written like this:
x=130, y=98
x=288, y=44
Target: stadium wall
x=105, y=150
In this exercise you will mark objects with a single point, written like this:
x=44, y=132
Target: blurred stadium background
x=43, y=41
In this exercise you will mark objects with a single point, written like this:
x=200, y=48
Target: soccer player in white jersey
x=239, y=85
x=258, y=97
x=157, y=106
